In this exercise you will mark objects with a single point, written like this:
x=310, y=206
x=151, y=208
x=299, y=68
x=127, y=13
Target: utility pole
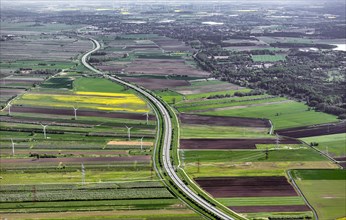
x=267, y=153
x=198, y=165
x=141, y=143
x=277, y=141
x=147, y=118
x=44, y=131
x=75, y=112
x=9, y=109
x=83, y=174
x=128, y=132
x=12, y=146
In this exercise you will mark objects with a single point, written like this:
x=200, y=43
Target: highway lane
x=167, y=163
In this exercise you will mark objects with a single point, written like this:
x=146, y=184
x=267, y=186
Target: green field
x=319, y=174
x=268, y=58
x=207, y=131
x=251, y=155
x=169, y=96
x=98, y=85
x=206, y=94
x=58, y=83
x=149, y=214
x=325, y=190
x=283, y=115
x=279, y=215
x=208, y=169
x=92, y=205
x=219, y=104
x=281, y=146
x=263, y=201
x=335, y=143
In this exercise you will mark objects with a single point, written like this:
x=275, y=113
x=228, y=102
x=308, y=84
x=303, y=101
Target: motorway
x=167, y=134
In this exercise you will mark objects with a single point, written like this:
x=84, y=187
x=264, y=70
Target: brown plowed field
x=29, y=81
x=340, y=158
x=223, y=121
x=276, y=208
x=109, y=68
x=223, y=187
x=77, y=160
x=343, y=164
x=229, y=143
x=316, y=130
x=80, y=113
x=164, y=67
x=67, y=152
x=341, y=161
x=157, y=83
x=4, y=91
x=141, y=46
x=169, y=44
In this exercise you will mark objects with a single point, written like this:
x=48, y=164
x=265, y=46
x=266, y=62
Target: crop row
x=94, y=186
x=85, y=194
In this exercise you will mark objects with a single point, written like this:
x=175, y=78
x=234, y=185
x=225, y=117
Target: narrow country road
x=167, y=134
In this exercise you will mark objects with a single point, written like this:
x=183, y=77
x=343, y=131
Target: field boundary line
x=323, y=153
x=194, y=185
x=302, y=194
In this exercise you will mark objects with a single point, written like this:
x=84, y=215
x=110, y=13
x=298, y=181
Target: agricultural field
x=333, y=144
x=157, y=84
x=325, y=190
x=34, y=52
x=282, y=155
x=284, y=114
x=225, y=133
x=149, y=60
x=314, y=130
x=201, y=105
x=86, y=100
x=85, y=157
x=42, y=48
x=76, y=145
x=223, y=121
x=255, y=194
x=210, y=131
x=268, y=58
x=231, y=144
x=31, y=28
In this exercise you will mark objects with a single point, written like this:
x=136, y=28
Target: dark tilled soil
x=316, y=130
x=77, y=160
x=223, y=121
x=164, y=67
x=223, y=187
x=230, y=143
x=276, y=208
x=157, y=83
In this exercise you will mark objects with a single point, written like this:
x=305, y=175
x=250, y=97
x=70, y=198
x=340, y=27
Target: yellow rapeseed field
x=105, y=94
x=94, y=100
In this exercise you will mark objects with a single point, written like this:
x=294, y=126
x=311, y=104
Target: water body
x=166, y=21
x=212, y=23
x=135, y=22
x=341, y=47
